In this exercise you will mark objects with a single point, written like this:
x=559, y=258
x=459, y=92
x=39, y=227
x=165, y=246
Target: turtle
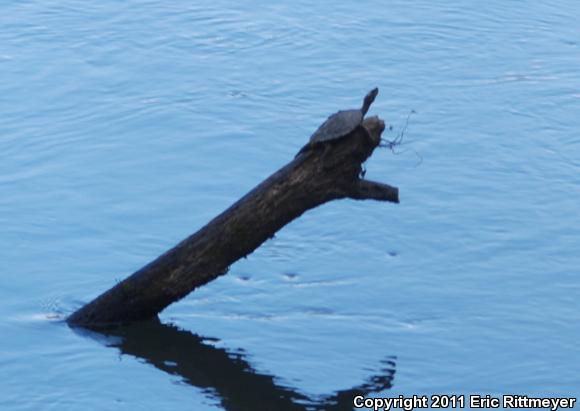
x=340, y=124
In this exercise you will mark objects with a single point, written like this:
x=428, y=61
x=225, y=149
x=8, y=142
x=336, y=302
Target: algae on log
x=315, y=177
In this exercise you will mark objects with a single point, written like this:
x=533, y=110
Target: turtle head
x=369, y=98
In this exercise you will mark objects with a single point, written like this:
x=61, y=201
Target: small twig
x=398, y=141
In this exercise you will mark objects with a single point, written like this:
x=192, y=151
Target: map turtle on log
x=340, y=124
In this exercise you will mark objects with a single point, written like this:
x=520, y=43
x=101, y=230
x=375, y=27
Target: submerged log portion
x=314, y=177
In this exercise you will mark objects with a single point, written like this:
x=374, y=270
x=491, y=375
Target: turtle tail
x=304, y=149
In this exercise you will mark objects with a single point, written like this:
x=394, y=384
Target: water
x=126, y=127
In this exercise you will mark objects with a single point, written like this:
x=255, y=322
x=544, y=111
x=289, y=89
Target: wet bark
x=318, y=175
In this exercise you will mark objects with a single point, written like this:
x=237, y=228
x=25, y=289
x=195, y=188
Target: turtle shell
x=338, y=125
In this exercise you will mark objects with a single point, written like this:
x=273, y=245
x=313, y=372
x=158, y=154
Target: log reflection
x=226, y=376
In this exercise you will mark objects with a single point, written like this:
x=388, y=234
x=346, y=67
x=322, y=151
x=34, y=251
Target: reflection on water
x=226, y=376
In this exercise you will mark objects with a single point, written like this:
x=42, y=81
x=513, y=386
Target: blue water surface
x=126, y=126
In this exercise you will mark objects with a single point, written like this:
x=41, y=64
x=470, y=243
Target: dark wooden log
x=317, y=176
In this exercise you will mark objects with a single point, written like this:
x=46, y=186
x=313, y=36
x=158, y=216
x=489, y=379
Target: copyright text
x=461, y=401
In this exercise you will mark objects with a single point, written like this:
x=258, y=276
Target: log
x=314, y=177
